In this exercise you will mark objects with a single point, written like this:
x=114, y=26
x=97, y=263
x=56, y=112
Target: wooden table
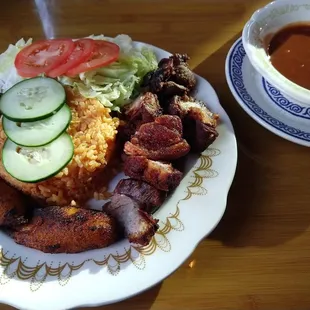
x=259, y=255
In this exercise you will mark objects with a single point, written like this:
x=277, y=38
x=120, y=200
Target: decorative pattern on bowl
x=284, y=103
x=235, y=63
x=266, y=21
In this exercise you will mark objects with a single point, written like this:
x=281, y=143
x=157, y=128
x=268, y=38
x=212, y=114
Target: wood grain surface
x=259, y=255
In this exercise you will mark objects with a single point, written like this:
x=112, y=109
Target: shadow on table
x=256, y=216
x=6, y=307
x=142, y=301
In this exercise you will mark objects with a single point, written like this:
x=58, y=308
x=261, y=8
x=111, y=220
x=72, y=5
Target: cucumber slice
x=32, y=100
x=36, y=164
x=40, y=132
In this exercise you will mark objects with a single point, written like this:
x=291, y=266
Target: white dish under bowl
x=265, y=22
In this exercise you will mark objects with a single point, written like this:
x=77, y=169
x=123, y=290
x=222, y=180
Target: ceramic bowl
x=265, y=22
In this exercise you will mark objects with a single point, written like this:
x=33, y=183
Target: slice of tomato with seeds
x=104, y=53
x=43, y=56
x=82, y=51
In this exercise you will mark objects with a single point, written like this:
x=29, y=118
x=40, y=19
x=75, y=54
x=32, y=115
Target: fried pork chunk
x=145, y=108
x=183, y=75
x=159, y=174
x=145, y=194
x=154, y=80
x=172, y=77
x=199, y=122
x=159, y=140
x=142, y=110
x=67, y=230
x=139, y=227
x=13, y=207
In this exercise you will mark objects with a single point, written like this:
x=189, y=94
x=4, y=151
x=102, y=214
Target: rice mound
x=93, y=132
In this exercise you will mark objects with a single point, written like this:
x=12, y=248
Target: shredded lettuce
x=8, y=73
x=116, y=84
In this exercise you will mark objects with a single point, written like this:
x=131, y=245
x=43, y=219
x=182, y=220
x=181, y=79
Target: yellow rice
x=93, y=133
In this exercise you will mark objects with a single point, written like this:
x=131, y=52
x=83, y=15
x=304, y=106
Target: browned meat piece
x=154, y=80
x=145, y=194
x=139, y=227
x=201, y=135
x=13, y=206
x=159, y=174
x=182, y=73
x=172, y=123
x=145, y=108
x=172, y=77
x=67, y=230
x=142, y=110
x=126, y=131
x=160, y=133
x=171, y=88
x=159, y=140
x=199, y=122
x=189, y=106
x=179, y=59
x=168, y=153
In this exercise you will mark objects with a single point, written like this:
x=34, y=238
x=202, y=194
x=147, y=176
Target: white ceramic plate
x=30, y=279
x=263, y=102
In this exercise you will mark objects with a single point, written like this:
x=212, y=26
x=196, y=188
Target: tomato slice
x=42, y=56
x=82, y=51
x=104, y=53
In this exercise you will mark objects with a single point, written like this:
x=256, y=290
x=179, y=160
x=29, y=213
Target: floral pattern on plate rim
x=13, y=266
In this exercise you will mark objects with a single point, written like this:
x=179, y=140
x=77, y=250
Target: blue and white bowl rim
x=234, y=74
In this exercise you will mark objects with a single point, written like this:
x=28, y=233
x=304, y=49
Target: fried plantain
x=67, y=230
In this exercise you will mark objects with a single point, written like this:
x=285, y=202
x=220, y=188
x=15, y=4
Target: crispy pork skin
x=199, y=123
x=159, y=140
x=172, y=77
x=139, y=227
x=161, y=175
x=142, y=110
x=145, y=108
x=148, y=196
